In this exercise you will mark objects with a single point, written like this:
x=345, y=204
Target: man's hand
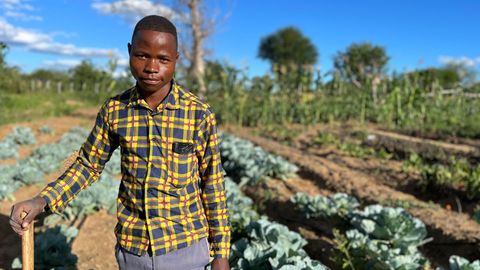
x=220, y=264
x=32, y=207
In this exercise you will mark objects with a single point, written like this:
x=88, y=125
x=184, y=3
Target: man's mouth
x=150, y=81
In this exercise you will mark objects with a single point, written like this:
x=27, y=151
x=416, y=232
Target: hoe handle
x=27, y=246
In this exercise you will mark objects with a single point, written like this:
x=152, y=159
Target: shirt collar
x=171, y=101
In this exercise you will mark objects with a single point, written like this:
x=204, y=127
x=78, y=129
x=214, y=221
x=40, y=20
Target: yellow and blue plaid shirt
x=172, y=190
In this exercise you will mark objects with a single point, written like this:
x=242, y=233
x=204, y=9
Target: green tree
x=428, y=78
x=3, y=52
x=86, y=75
x=287, y=50
x=292, y=56
x=361, y=62
x=47, y=74
x=467, y=75
x=446, y=77
x=10, y=77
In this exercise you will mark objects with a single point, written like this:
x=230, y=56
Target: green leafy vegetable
x=459, y=263
x=243, y=160
x=338, y=206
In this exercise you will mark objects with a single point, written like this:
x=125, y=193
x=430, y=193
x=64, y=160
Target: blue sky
x=416, y=34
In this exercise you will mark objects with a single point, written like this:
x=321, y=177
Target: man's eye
x=141, y=56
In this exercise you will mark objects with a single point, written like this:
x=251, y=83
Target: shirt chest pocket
x=181, y=163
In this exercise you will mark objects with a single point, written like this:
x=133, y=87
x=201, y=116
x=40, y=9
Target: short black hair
x=156, y=23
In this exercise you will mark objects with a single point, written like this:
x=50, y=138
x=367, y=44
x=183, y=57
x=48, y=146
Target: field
x=325, y=168
x=373, y=165
x=352, y=156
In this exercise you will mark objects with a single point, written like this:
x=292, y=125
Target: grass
x=26, y=107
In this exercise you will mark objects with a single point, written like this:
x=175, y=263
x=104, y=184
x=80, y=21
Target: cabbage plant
x=21, y=136
x=242, y=160
x=385, y=238
x=337, y=206
x=459, y=263
x=269, y=245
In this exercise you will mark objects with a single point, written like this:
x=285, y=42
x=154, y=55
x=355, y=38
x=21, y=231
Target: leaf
x=459, y=263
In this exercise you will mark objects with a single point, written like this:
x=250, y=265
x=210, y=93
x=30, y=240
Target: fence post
x=59, y=87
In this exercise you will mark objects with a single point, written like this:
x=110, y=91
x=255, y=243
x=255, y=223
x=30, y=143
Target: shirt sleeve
x=87, y=167
x=213, y=185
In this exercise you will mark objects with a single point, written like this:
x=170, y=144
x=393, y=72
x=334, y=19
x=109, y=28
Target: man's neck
x=154, y=99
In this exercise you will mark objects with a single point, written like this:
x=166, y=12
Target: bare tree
x=199, y=22
x=200, y=30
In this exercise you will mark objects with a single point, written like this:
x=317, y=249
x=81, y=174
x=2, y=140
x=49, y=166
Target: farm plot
x=90, y=216
x=258, y=242
x=441, y=172
x=451, y=231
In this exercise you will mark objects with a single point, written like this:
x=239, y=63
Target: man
x=172, y=211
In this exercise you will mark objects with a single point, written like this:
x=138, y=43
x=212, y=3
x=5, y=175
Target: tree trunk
x=197, y=64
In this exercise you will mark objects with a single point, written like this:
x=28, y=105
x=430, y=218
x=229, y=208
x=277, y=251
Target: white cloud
x=15, y=5
x=62, y=63
x=41, y=42
x=133, y=10
x=63, y=34
x=14, y=9
x=20, y=36
x=70, y=49
x=463, y=60
x=22, y=16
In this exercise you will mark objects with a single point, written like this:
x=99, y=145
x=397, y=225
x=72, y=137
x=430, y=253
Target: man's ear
x=129, y=48
x=177, y=56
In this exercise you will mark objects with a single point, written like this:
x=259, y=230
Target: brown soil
x=453, y=233
x=388, y=172
x=442, y=137
x=428, y=148
x=402, y=144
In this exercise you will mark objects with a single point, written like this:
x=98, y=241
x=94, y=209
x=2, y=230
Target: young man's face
x=153, y=56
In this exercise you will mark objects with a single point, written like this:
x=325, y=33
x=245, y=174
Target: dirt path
x=428, y=148
x=457, y=231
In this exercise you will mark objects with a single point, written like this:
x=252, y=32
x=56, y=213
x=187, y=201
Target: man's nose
x=151, y=66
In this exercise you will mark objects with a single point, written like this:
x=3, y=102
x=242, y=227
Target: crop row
x=376, y=237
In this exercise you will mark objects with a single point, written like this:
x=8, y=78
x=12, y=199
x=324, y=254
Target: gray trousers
x=194, y=257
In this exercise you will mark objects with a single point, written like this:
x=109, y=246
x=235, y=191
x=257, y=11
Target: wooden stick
x=27, y=246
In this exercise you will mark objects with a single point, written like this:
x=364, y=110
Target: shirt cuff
x=52, y=206
x=220, y=250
